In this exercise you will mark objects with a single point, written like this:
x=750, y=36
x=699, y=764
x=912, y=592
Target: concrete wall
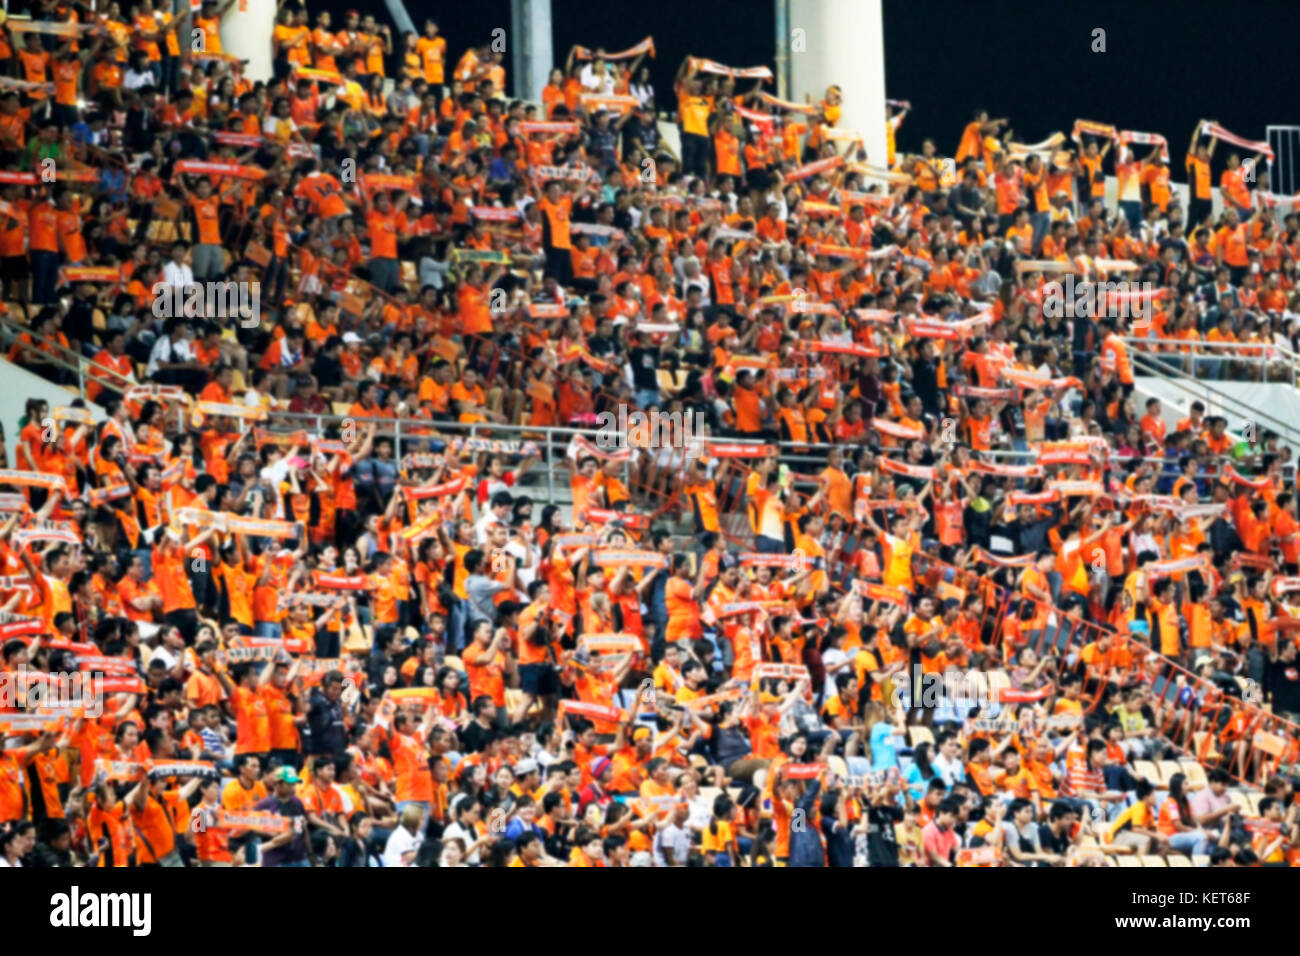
x=842, y=42
x=247, y=34
x=1276, y=404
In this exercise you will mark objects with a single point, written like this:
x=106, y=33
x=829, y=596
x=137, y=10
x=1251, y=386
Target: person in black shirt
x=290, y=848
x=645, y=370
x=603, y=343
x=835, y=829
x=882, y=815
x=1282, y=681
x=640, y=135
x=326, y=733
x=1054, y=835
x=326, y=368
x=925, y=381
x=482, y=730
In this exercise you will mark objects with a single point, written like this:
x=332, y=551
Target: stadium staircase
x=1266, y=395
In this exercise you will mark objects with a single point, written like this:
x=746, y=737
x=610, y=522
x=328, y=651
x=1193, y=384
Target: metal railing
x=407, y=433
x=61, y=356
x=1217, y=358
x=1216, y=400
x=1191, y=723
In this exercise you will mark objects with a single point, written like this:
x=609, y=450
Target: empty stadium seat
x=357, y=641
x=1196, y=778
x=1148, y=770
x=1198, y=746
x=455, y=663
x=1127, y=860
x=1167, y=769
x=1200, y=859
x=1177, y=859
x=1153, y=861
x=920, y=735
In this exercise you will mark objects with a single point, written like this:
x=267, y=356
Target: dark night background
x=1168, y=63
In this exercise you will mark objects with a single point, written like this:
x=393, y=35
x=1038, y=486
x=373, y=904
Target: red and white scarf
x=1218, y=132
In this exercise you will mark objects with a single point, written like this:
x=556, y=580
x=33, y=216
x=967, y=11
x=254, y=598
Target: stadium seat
x=838, y=766
x=1168, y=768
x=1127, y=859
x=1153, y=861
x=455, y=663
x=760, y=777
x=1240, y=799
x=1252, y=801
x=1178, y=860
x=710, y=793
x=1200, y=859
x=1198, y=742
x=1196, y=778
x=357, y=641
x=920, y=735
x=514, y=698
x=671, y=381
x=1148, y=770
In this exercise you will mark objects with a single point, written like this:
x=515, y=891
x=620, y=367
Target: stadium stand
x=449, y=480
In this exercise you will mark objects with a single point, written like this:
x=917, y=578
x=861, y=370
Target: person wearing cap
x=292, y=847
x=527, y=778
x=602, y=777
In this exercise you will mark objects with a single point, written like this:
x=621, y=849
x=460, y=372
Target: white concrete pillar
x=531, y=47
x=246, y=32
x=842, y=42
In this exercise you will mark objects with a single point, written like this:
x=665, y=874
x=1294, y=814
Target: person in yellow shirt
x=693, y=109
x=718, y=841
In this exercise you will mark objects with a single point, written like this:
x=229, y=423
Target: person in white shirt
x=404, y=842
x=466, y=811
x=642, y=88
x=497, y=512
x=176, y=271
x=138, y=74
x=948, y=764
x=596, y=77
x=672, y=844
x=172, y=354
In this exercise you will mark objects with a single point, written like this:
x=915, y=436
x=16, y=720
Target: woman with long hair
x=921, y=772
x=1177, y=822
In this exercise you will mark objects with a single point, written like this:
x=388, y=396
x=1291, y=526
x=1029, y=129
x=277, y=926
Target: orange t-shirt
x=173, y=582
x=253, y=723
